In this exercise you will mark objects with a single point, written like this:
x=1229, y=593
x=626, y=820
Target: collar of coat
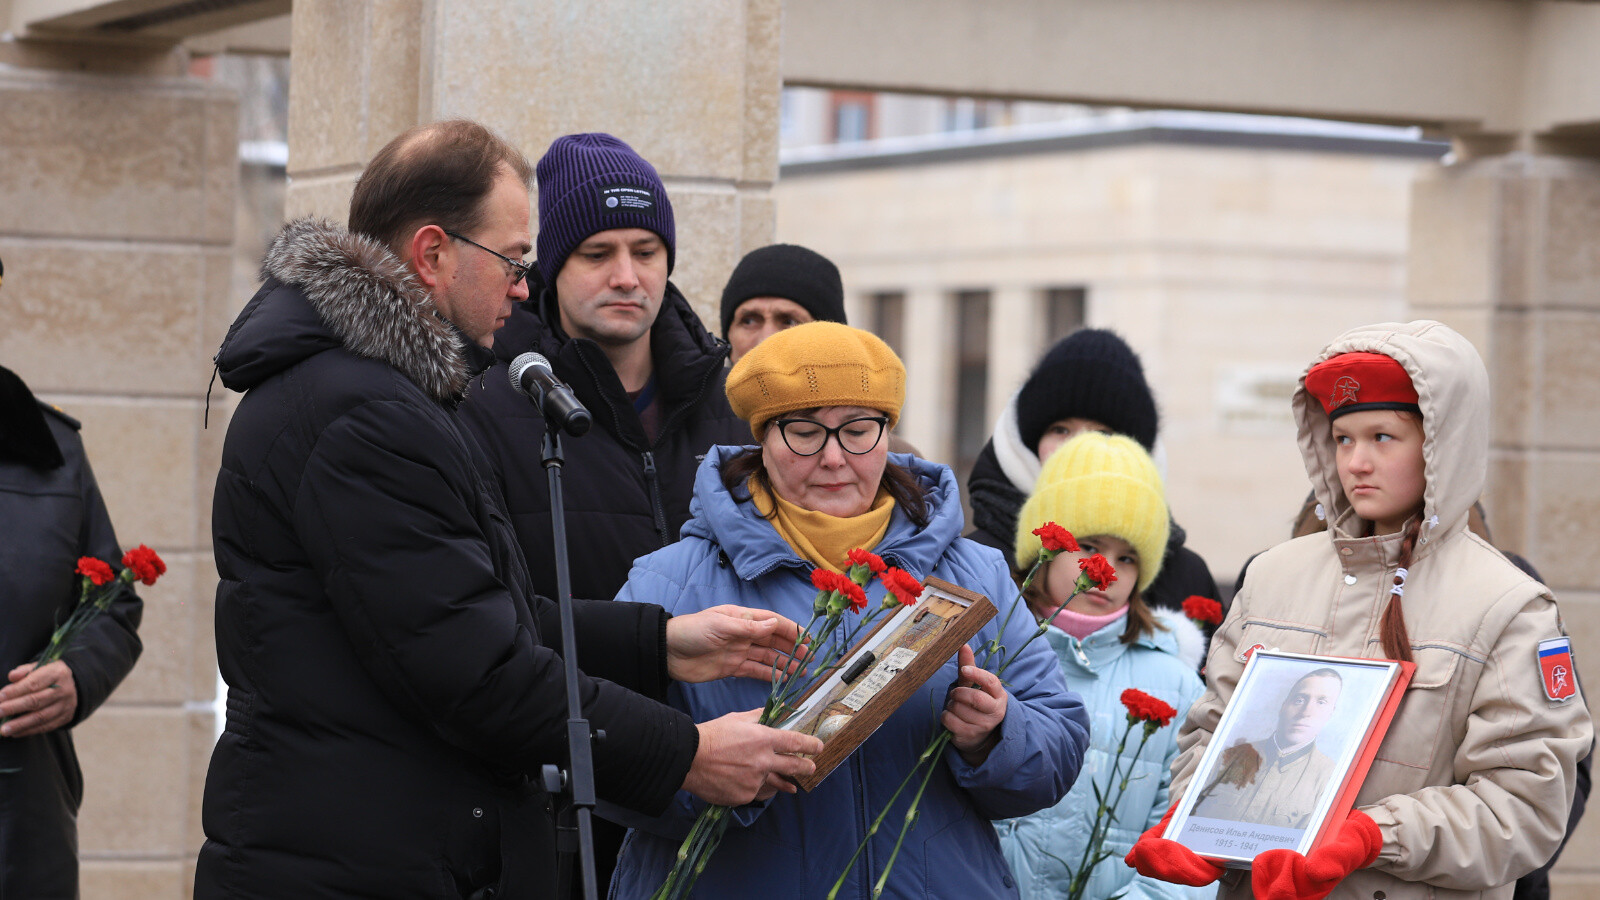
x=1178, y=636
x=371, y=303
x=24, y=435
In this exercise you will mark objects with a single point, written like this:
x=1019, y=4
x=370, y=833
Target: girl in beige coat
x=1471, y=785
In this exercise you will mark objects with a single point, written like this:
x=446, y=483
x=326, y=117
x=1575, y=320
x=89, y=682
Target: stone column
x=1016, y=340
x=928, y=418
x=116, y=225
x=692, y=86
x=1506, y=249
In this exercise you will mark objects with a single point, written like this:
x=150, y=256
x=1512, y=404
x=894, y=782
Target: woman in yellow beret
x=821, y=399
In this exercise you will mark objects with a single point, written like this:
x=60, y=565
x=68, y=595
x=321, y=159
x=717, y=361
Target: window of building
x=888, y=312
x=971, y=341
x=852, y=116
x=1063, y=312
x=968, y=114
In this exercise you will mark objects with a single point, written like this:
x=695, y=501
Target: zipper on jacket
x=863, y=823
x=669, y=423
x=655, y=496
x=594, y=379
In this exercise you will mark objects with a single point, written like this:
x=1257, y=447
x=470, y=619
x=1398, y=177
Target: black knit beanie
x=589, y=183
x=1089, y=374
x=788, y=271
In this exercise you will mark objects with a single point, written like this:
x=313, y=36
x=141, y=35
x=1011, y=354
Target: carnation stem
x=930, y=752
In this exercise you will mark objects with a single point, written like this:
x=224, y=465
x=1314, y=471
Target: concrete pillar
x=928, y=419
x=692, y=86
x=1506, y=249
x=116, y=225
x=1016, y=340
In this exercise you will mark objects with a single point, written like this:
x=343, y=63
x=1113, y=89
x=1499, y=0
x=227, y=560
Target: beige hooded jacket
x=1472, y=783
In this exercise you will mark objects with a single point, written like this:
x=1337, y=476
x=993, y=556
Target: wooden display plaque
x=884, y=669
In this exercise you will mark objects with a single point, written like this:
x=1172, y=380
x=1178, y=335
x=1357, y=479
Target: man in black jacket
x=632, y=350
x=51, y=514
x=393, y=679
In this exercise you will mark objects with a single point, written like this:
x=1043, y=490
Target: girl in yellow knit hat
x=1105, y=490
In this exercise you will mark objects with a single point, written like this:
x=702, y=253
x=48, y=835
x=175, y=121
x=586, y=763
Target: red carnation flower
x=854, y=593
x=144, y=562
x=860, y=557
x=95, y=570
x=1099, y=570
x=1144, y=708
x=1056, y=539
x=1203, y=610
x=824, y=580
x=902, y=585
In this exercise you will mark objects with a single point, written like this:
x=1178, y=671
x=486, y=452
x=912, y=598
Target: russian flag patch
x=1555, y=666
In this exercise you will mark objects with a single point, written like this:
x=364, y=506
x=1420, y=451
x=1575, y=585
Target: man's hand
x=740, y=761
x=730, y=640
x=974, y=710
x=38, y=699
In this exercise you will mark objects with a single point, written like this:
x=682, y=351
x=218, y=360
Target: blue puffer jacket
x=1101, y=667
x=795, y=846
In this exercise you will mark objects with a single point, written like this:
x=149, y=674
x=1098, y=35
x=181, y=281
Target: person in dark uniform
x=51, y=514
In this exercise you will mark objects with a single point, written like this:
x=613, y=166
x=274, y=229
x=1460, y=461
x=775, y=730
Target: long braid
x=1396, y=641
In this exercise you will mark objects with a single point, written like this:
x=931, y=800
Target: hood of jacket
x=345, y=290
x=1453, y=392
x=754, y=547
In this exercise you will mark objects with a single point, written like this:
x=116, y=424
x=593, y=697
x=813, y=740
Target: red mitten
x=1286, y=875
x=1156, y=857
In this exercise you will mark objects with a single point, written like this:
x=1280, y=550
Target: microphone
x=532, y=376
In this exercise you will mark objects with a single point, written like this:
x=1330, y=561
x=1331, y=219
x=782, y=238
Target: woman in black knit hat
x=1091, y=380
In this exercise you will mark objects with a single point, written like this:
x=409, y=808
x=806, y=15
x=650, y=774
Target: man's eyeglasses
x=805, y=437
x=519, y=269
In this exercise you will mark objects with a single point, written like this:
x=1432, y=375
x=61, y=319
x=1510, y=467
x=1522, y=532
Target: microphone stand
x=574, y=822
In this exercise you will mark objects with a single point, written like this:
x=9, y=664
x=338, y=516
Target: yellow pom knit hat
x=1099, y=484
x=816, y=364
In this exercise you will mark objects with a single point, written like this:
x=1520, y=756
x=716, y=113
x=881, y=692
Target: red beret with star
x=1351, y=382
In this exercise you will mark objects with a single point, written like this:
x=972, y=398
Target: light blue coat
x=794, y=846
x=1100, y=668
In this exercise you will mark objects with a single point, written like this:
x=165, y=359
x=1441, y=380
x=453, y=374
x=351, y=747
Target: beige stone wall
x=695, y=94
x=1218, y=265
x=116, y=226
x=1507, y=250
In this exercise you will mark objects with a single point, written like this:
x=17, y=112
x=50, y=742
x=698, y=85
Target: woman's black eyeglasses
x=805, y=437
x=519, y=269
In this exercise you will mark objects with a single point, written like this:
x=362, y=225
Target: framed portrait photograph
x=1289, y=754
x=883, y=669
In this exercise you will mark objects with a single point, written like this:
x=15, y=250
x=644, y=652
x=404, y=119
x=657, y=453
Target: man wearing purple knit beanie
x=633, y=351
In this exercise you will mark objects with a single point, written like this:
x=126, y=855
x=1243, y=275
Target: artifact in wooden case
x=884, y=669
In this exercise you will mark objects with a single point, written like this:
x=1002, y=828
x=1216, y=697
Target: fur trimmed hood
x=328, y=287
x=1189, y=642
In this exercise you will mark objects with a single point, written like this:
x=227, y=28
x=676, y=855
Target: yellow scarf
x=820, y=539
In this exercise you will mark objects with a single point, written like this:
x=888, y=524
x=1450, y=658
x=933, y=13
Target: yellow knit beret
x=1099, y=484
x=812, y=365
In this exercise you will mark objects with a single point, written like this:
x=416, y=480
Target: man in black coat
x=393, y=678
x=633, y=351
x=51, y=514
